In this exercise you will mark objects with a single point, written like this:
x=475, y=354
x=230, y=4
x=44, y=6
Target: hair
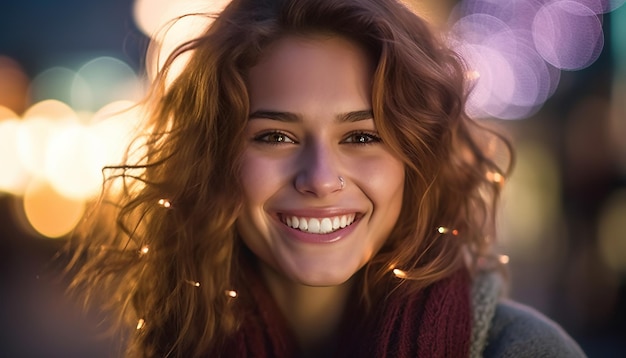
x=192, y=151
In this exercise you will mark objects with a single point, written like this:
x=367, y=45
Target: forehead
x=296, y=70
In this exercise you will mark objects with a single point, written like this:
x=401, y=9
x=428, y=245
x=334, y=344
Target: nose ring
x=342, y=182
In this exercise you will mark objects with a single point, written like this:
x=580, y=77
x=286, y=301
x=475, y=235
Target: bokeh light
x=13, y=85
x=611, y=232
x=568, y=35
x=519, y=47
x=117, y=126
x=169, y=27
x=40, y=124
x=531, y=212
x=74, y=162
x=49, y=213
x=104, y=80
x=13, y=176
x=56, y=83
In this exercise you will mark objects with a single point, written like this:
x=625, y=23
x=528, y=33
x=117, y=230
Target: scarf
x=433, y=322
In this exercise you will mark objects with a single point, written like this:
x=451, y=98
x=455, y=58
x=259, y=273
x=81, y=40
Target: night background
x=562, y=221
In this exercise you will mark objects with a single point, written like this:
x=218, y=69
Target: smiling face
x=322, y=191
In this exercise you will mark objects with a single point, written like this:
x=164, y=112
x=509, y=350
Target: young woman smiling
x=322, y=193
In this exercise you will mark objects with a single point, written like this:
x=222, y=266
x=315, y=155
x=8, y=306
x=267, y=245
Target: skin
x=310, y=123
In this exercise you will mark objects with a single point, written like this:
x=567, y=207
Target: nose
x=319, y=171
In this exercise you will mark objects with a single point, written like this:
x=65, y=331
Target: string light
x=141, y=323
x=144, y=250
x=472, y=75
x=193, y=283
x=399, y=273
x=495, y=177
x=504, y=259
x=445, y=230
x=165, y=203
x=231, y=293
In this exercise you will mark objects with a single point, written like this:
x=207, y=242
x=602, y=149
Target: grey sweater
x=503, y=328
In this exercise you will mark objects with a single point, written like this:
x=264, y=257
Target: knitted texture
x=435, y=322
x=486, y=292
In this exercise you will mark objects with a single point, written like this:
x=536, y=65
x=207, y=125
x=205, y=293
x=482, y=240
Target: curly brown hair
x=191, y=167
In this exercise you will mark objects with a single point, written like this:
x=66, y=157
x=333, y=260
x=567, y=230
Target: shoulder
x=517, y=330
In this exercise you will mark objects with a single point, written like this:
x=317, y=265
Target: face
x=322, y=191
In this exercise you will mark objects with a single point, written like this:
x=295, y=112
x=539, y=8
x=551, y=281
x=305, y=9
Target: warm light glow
x=504, y=259
x=144, y=250
x=141, y=323
x=13, y=86
x=13, y=175
x=40, y=125
x=231, y=294
x=399, y=273
x=472, y=75
x=151, y=15
x=74, y=162
x=48, y=212
x=155, y=18
x=165, y=203
x=183, y=30
x=116, y=125
x=442, y=230
x=495, y=177
x=7, y=113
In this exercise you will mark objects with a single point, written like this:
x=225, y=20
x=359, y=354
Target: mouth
x=322, y=225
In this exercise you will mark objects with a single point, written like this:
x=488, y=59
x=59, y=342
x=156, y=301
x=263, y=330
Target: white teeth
x=319, y=225
x=314, y=225
x=303, y=225
x=326, y=225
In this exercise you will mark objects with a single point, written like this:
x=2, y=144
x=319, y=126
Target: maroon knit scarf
x=434, y=322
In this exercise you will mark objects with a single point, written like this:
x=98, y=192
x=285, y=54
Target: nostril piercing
x=342, y=182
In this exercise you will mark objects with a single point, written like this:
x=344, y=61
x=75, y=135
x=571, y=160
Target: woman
x=311, y=188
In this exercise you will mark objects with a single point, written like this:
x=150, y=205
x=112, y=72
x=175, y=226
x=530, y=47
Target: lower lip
x=310, y=238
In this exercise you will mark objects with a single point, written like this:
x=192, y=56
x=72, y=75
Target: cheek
x=258, y=177
x=383, y=180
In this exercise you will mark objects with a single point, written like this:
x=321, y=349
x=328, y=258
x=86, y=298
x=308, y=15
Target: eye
x=274, y=137
x=362, y=138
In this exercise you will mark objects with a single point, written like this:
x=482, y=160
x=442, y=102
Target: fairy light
x=495, y=177
x=504, y=259
x=472, y=75
x=141, y=323
x=231, y=293
x=165, y=203
x=144, y=250
x=399, y=273
x=444, y=230
x=194, y=283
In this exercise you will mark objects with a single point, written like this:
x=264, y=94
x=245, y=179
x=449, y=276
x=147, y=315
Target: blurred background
x=551, y=74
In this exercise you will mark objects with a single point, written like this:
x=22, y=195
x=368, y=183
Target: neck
x=313, y=313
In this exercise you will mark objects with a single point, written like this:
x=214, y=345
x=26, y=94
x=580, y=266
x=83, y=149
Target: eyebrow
x=353, y=116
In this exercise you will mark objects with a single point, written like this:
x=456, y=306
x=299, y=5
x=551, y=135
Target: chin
x=322, y=279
